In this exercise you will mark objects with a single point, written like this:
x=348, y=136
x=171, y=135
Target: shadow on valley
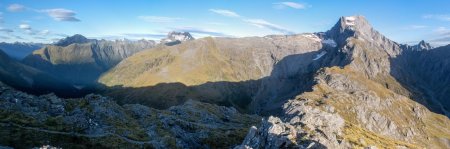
x=425, y=74
x=290, y=76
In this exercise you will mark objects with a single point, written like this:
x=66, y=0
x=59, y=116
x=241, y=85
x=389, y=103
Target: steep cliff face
x=80, y=61
x=423, y=72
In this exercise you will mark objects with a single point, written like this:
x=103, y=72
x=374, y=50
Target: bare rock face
x=303, y=127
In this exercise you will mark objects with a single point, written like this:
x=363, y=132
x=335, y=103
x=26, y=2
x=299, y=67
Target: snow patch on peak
x=350, y=21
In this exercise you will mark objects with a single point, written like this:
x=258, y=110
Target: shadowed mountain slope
x=80, y=61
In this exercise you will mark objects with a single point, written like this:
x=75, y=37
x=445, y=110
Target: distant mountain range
x=19, y=50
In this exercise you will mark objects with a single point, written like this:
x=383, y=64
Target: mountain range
x=348, y=87
x=19, y=50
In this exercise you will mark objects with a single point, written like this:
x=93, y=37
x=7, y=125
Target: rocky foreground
x=98, y=122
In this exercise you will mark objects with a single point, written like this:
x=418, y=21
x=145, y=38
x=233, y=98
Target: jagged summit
x=424, y=45
x=421, y=46
x=174, y=38
x=356, y=26
x=77, y=38
x=181, y=36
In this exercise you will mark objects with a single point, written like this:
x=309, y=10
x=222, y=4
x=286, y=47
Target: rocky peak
x=174, y=38
x=181, y=36
x=423, y=45
x=353, y=26
x=77, y=38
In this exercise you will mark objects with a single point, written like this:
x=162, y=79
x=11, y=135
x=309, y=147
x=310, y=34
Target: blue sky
x=404, y=21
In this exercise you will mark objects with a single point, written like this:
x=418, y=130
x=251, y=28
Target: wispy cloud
x=61, y=14
x=61, y=35
x=19, y=37
x=4, y=37
x=227, y=13
x=415, y=27
x=216, y=23
x=265, y=24
x=58, y=14
x=442, y=36
x=139, y=35
x=44, y=32
x=25, y=26
x=41, y=38
x=282, y=5
x=441, y=17
x=203, y=31
x=442, y=31
x=15, y=8
x=261, y=23
x=159, y=19
x=5, y=30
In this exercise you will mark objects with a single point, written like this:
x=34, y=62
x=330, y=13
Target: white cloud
x=265, y=24
x=201, y=31
x=442, y=36
x=441, y=17
x=15, y=8
x=25, y=26
x=60, y=14
x=442, y=31
x=159, y=19
x=143, y=35
x=294, y=5
x=224, y=12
